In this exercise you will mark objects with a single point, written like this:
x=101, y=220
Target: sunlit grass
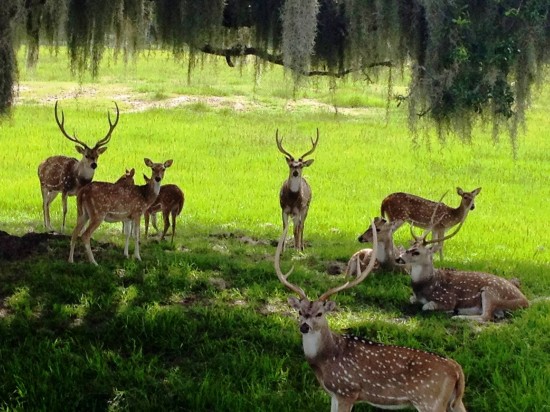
x=203, y=324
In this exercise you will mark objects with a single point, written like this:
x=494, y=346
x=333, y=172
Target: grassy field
x=203, y=324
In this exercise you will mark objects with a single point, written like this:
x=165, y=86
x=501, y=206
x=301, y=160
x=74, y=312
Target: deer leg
x=92, y=226
x=174, y=215
x=128, y=230
x=146, y=218
x=340, y=405
x=80, y=222
x=47, y=199
x=136, y=237
x=285, y=224
x=64, y=203
x=154, y=221
x=438, y=234
x=297, y=239
x=166, y=220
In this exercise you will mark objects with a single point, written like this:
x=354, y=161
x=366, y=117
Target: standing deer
x=99, y=201
x=67, y=174
x=170, y=202
x=423, y=212
x=295, y=194
x=473, y=295
x=387, y=252
x=351, y=369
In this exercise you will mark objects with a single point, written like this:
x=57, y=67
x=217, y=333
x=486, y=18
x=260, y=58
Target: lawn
x=203, y=324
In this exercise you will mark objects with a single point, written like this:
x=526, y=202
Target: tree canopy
x=467, y=59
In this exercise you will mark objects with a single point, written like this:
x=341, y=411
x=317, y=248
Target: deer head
x=89, y=155
x=296, y=165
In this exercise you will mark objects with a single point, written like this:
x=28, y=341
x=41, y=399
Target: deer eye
x=377, y=230
x=300, y=312
x=415, y=253
x=319, y=314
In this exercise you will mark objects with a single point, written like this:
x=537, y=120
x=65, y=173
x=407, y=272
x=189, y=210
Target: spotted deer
x=65, y=175
x=471, y=295
x=422, y=212
x=295, y=193
x=170, y=203
x=352, y=369
x=102, y=201
x=387, y=252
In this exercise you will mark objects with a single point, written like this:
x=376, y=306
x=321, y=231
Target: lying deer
x=99, y=201
x=351, y=369
x=170, y=202
x=473, y=295
x=387, y=252
x=65, y=175
x=422, y=212
x=295, y=194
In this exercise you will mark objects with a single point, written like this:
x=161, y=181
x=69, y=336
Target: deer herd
x=350, y=369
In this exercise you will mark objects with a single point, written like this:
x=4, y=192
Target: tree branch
x=239, y=51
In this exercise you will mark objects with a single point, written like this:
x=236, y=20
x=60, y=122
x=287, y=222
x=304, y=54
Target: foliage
x=469, y=59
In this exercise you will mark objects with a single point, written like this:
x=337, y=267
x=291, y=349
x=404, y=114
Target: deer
x=470, y=295
x=387, y=252
x=352, y=369
x=66, y=175
x=170, y=202
x=419, y=211
x=102, y=201
x=295, y=193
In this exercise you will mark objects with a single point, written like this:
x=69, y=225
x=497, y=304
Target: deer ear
x=329, y=306
x=294, y=302
x=80, y=149
x=132, y=172
x=101, y=150
x=476, y=191
x=307, y=163
x=148, y=162
x=459, y=191
x=168, y=163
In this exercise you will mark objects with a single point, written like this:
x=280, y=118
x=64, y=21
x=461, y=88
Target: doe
x=423, y=213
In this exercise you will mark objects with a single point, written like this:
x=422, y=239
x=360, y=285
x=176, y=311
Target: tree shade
x=468, y=59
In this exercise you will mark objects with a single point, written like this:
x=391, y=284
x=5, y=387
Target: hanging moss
x=299, y=29
x=469, y=60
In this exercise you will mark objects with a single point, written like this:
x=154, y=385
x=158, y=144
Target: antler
x=314, y=144
x=283, y=278
x=280, y=145
x=61, y=125
x=427, y=242
x=112, y=126
x=360, y=276
x=427, y=231
x=423, y=237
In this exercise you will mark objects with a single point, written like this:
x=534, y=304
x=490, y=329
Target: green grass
x=203, y=324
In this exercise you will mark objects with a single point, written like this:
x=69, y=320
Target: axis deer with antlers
x=351, y=369
x=387, y=252
x=170, y=202
x=65, y=175
x=295, y=193
x=472, y=295
x=100, y=201
x=423, y=213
